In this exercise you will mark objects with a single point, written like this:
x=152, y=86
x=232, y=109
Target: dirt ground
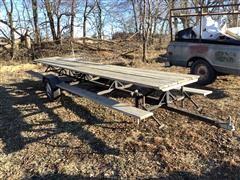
x=74, y=138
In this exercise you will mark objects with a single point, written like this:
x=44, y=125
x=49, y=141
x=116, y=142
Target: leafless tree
x=9, y=23
x=99, y=22
x=235, y=21
x=35, y=20
x=57, y=19
x=49, y=10
x=88, y=7
x=73, y=14
x=135, y=14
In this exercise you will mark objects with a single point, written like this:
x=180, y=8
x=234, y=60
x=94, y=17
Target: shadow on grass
x=12, y=122
x=222, y=172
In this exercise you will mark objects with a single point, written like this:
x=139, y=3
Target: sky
x=114, y=17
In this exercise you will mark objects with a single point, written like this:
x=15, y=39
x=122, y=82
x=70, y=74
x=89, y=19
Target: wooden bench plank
x=122, y=107
x=197, y=91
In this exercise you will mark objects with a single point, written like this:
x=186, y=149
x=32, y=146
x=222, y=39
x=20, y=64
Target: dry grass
x=74, y=138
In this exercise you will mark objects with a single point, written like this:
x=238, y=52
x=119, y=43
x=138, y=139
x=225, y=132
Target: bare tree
x=9, y=11
x=35, y=20
x=235, y=17
x=49, y=10
x=73, y=14
x=56, y=11
x=89, y=6
x=143, y=7
x=99, y=23
x=135, y=15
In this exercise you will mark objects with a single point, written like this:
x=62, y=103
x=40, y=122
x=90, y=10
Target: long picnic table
x=158, y=80
x=124, y=77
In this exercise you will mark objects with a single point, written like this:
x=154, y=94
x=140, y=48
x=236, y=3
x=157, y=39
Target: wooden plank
x=104, y=67
x=122, y=107
x=163, y=85
x=138, y=71
x=158, y=80
x=105, y=74
x=197, y=91
x=125, y=70
x=163, y=77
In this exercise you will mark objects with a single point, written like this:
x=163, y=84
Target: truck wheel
x=205, y=71
x=52, y=91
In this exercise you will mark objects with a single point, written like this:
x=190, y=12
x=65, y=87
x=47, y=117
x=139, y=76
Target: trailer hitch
x=219, y=123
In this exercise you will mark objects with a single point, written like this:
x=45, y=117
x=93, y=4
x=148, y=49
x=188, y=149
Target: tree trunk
x=85, y=20
x=85, y=16
x=50, y=17
x=175, y=22
x=12, y=35
x=10, y=22
x=144, y=38
x=35, y=19
x=58, y=28
x=235, y=17
x=135, y=15
x=99, y=20
x=149, y=26
x=84, y=25
x=72, y=18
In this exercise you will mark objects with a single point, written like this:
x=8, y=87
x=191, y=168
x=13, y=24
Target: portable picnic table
x=142, y=84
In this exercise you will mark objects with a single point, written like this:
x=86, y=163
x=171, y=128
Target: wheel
x=52, y=91
x=204, y=70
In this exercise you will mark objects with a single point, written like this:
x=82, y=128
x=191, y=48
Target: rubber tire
x=51, y=90
x=208, y=74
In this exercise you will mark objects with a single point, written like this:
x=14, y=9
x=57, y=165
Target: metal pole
x=200, y=36
x=170, y=24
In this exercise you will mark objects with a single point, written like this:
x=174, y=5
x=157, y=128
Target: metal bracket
x=72, y=74
x=115, y=85
x=187, y=96
x=59, y=71
x=165, y=99
x=49, y=69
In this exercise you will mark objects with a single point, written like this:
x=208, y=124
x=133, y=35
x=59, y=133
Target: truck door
x=226, y=58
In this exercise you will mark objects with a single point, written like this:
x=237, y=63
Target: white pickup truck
x=206, y=58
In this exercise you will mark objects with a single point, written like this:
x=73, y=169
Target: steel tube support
x=218, y=123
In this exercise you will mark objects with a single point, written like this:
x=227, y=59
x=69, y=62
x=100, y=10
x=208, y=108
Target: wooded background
x=37, y=21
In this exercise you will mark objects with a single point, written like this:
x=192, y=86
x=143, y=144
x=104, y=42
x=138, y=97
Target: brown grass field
x=74, y=138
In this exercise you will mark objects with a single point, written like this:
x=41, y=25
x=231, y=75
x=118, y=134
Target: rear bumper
x=164, y=59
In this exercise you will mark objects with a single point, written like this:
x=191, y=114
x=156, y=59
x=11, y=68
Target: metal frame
x=168, y=98
x=201, y=14
x=146, y=100
x=115, y=85
x=70, y=73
